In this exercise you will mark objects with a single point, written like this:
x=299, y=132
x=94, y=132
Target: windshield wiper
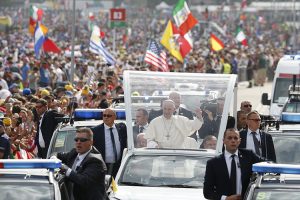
x=133, y=183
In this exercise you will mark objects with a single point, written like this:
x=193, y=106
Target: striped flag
x=98, y=47
x=156, y=56
x=39, y=39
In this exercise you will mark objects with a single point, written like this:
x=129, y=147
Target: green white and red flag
x=183, y=17
x=241, y=37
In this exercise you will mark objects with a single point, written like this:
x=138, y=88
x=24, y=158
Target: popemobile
x=170, y=172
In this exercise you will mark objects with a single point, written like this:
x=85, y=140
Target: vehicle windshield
x=287, y=145
x=292, y=107
x=281, y=88
x=26, y=190
x=164, y=171
x=63, y=141
x=276, y=194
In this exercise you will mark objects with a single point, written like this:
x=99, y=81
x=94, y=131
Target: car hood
x=157, y=193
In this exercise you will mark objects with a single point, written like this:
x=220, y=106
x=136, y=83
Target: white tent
x=163, y=6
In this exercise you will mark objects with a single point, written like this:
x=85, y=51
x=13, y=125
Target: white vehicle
x=286, y=74
x=164, y=173
x=274, y=181
x=35, y=179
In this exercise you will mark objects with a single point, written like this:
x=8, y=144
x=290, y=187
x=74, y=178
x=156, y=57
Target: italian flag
x=183, y=17
x=241, y=37
x=216, y=43
x=36, y=15
x=177, y=45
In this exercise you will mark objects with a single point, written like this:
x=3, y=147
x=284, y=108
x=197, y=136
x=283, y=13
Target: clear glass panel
x=165, y=171
x=287, y=146
x=190, y=93
x=63, y=142
x=281, y=88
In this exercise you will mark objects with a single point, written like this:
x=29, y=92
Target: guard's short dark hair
x=229, y=129
x=42, y=101
x=144, y=111
x=86, y=130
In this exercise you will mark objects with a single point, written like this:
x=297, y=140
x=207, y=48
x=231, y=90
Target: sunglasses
x=257, y=120
x=81, y=139
x=107, y=115
x=248, y=106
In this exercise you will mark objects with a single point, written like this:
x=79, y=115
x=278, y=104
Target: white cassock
x=171, y=133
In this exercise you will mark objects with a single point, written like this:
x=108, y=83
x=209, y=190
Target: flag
x=216, y=43
x=36, y=15
x=243, y=4
x=114, y=186
x=50, y=46
x=156, y=56
x=98, y=47
x=241, y=37
x=39, y=39
x=176, y=44
x=183, y=17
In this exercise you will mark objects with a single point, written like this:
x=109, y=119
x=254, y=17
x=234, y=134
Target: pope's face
x=168, y=109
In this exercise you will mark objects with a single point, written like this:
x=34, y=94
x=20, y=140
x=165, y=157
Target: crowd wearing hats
x=24, y=79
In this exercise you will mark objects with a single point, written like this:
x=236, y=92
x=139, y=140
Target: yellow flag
x=168, y=40
x=216, y=43
x=114, y=185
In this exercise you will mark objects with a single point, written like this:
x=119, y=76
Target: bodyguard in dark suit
x=110, y=139
x=174, y=96
x=46, y=126
x=84, y=168
x=256, y=140
x=141, y=123
x=228, y=175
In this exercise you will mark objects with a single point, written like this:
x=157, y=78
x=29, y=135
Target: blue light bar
x=96, y=114
x=265, y=167
x=288, y=117
x=30, y=164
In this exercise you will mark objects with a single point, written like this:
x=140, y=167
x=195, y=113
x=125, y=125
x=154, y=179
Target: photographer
x=210, y=124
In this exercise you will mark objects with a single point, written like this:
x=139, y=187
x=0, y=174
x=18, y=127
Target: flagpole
x=72, y=43
x=114, y=41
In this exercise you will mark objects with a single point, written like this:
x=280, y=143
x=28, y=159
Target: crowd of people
x=25, y=80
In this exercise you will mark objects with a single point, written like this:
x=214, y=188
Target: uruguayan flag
x=98, y=47
x=39, y=39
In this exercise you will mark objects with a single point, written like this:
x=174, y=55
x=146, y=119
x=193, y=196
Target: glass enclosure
x=176, y=110
x=164, y=171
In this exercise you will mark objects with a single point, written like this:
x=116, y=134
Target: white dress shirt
x=41, y=139
x=109, y=152
x=250, y=142
x=79, y=160
x=228, y=160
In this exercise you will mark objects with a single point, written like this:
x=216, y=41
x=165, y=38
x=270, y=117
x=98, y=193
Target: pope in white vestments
x=171, y=131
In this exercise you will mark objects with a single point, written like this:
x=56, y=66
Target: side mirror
x=265, y=99
x=108, y=179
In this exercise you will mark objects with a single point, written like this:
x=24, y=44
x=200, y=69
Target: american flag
x=156, y=56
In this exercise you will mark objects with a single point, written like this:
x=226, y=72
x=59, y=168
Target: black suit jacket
x=182, y=111
x=89, y=179
x=48, y=126
x=99, y=142
x=267, y=145
x=135, y=131
x=217, y=178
